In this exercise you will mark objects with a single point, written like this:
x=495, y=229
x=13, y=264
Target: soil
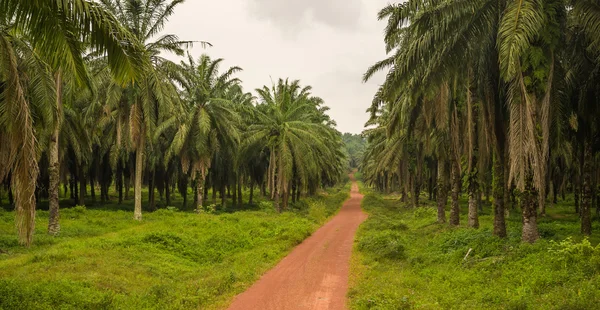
x=315, y=274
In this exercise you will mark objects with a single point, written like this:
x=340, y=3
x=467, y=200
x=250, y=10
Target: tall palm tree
x=56, y=29
x=26, y=89
x=434, y=39
x=290, y=126
x=209, y=120
x=148, y=100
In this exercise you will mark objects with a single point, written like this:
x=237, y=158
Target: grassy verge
x=171, y=260
x=404, y=260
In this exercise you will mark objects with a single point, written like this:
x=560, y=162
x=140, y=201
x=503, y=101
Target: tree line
x=88, y=100
x=489, y=97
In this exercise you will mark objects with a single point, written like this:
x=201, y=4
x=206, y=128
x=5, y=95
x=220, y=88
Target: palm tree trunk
x=75, y=189
x=578, y=186
x=168, y=188
x=278, y=182
x=276, y=198
x=294, y=191
x=286, y=196
x=152, y=191
x=431, y=178
x=82, y=185
x=442, y=196
x=200, y=191
x=206, y=187
x=251, y=191
x=128, y=181
x=223, y=196
x=11, y=197
x=119, y=181
x=455, y=178
x=298, y=192
x=93, y=188
x=529, y=209
x=586, y=201
x=139, y=170
x=415, y=192
x=473, y=221
x=54, y=162
x=576, y=194
x=234, y=195
x=54, y=173
x=214, y=194
x=195, y=189
x=71, y=188
x=239, y=190
x=498, y=189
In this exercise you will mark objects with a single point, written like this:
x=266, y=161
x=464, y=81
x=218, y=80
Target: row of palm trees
x=500, y=96
x=87, y=99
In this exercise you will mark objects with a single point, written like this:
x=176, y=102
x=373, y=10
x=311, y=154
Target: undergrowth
x=403, y=259
x=171, y=260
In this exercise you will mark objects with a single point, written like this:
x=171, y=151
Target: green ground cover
x=404, y=260
x=171, y=260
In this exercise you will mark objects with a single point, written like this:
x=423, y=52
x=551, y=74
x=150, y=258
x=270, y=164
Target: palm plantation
x=112, y=109
x=478, y=161
x=505, y=104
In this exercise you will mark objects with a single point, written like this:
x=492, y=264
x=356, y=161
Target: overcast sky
x=328, y=44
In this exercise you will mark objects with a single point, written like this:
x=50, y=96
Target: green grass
x=404, y=260
x=172, y=260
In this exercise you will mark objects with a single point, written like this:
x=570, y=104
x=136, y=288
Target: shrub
x=581, y=255
x=317, y=211
x=382, y=244
x=425, y=212
x=266, y=206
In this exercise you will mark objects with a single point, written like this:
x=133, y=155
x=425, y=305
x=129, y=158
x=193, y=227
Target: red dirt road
x=315, y=274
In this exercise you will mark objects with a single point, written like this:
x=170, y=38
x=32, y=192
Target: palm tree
x=56, y=29
x=208, y=122
x=289, y=124
x=25, y=88
x=149, y=99
x=433, y=39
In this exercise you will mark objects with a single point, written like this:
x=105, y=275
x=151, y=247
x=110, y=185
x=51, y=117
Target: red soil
x=315, y=274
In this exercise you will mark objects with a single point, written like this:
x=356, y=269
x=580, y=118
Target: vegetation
x=489, y=98
x=88, y=101
x=404, y=260
x=488, y=106
x=354, y=146
x=492, y=103
x=172, y=260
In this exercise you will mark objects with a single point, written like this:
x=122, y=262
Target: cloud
x=293, y=15
x=324, y=43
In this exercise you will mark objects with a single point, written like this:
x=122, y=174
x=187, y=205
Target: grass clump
x=382, y=244
x=403, y=259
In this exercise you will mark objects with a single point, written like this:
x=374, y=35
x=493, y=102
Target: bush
x=317, y=211
x=382, y=244
x=266, y=206
x=581, y=255
x=425, y=212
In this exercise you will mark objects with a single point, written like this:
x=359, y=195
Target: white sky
x=327, y=44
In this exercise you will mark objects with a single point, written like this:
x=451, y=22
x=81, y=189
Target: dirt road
x=315, y=274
